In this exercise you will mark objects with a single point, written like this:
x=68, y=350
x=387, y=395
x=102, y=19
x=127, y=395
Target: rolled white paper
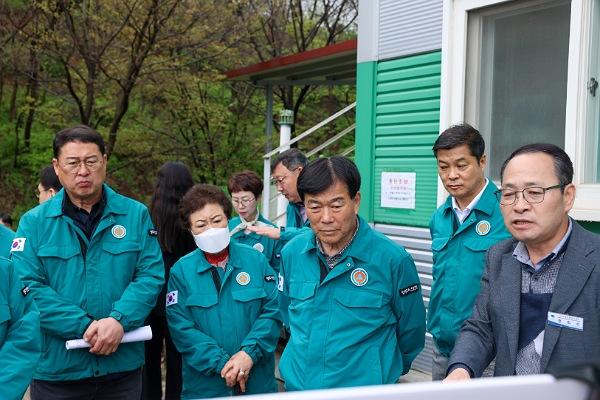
x=136, y=335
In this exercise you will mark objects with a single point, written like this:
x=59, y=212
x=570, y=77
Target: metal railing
x=267, y=199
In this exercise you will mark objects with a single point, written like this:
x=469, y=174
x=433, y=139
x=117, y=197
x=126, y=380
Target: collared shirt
x=333, y=260
x=522, y=255
x=463, y=214
x=302, y=212
x=87, y=222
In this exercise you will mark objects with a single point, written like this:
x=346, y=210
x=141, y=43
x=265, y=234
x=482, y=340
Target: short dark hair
x=245, y=181
x=563, y=166
x=6, y=218
x=79, y=133
x=198, y=197
x=291, y=159
x=48, y=179
x=322, y=173
x=459, y=135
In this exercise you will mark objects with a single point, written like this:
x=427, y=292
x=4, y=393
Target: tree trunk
x=12, y=113
x=33, y=91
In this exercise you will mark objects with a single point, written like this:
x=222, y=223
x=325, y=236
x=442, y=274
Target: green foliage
x=174, y=102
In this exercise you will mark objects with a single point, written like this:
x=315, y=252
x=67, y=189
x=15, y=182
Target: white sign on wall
x=398, y=189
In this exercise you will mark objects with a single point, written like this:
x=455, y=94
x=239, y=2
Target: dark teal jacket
x=20, y=337
x=363, y=325
x=6, y=240
x=117, y=277
x=263, y=244
x=458, y=264
x=208, y=326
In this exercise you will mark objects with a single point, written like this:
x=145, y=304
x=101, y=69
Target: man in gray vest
x=538, y=306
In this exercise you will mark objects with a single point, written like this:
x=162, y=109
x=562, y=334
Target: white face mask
x=212, y=240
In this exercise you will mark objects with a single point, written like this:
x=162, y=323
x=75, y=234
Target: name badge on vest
x=565, y=321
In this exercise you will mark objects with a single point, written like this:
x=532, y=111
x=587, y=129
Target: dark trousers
x=119, y=386
x=152, y=386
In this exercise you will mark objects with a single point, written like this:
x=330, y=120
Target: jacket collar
x=115, y=203
x=487, y=202
x=234, y=258
x=358, y=249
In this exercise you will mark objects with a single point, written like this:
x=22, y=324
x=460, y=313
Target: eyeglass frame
x=74, y=168
x=498, y=193
x=279, y=181
x=242, y=202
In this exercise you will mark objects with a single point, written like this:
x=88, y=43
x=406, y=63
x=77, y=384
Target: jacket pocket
x=249, y=294
x=302, y=290
x=203, y=308
x=359, y=298
x=121, y=247
x=202, y=300
x=479, y=244
x=62, y=252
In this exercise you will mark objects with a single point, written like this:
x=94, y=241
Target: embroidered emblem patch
x=483, y=228
x=152, y=232
x=243, y=278
x=270, y=278
x=359, y=277
x=259, y=247
x=118, y=231
x=172, y=298
x=25, y=291
x=18, y=244
x=280, y=283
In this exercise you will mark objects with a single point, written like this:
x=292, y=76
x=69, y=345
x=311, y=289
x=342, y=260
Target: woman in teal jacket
x=222, y=306
x=20, y=336
x=245, y=189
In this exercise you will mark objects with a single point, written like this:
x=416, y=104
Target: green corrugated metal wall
x=407, y=104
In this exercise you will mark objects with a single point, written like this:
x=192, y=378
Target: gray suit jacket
x=493, y=329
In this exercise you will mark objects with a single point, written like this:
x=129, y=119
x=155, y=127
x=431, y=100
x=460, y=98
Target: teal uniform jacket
x=20, y=338
x=458, y=264
x=263, y=244
x=6, y=240
x=208, y=326
x=120, y=275
x=363, y=325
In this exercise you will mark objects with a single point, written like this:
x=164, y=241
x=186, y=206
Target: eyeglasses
x=244, y=201
x=532, y=195
x=278, y=180
x=73, y=165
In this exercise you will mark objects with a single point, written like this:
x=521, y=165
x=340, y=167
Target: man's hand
x=104, y=336
x=459, y=374
x=268, y=231
x=237, y=369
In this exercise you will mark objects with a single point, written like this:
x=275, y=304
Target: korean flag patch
x=18, y=244
x=171, y=298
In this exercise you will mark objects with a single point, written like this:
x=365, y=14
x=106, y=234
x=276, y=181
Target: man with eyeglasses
x=462, y=229
x=285, y=170
x=538, y=306
x=92, y=262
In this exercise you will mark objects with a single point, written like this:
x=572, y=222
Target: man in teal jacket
x=285, y=170
x=462, y=229
x=20, y=338
x=6, y=241
x=356, y=313
x=93, y=264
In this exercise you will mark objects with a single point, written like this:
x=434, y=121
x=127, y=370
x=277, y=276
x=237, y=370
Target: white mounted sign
x=398, y=189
